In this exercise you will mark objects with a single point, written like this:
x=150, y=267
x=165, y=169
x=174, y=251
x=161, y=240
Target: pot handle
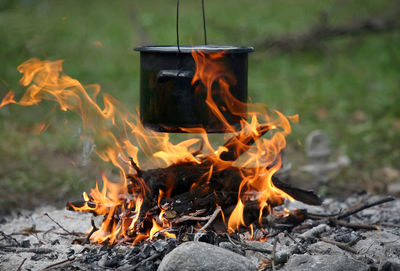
x=177, y=24
x=166, y=75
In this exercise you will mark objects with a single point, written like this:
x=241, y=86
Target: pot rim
x=190, y=48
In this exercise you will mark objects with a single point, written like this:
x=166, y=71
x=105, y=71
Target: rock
x=318, y=151
x=160, y=245
x=25, y=243
x=282, y=256
x=393, y=188
x=32, y=241
x=102, y=260
x=390, y=266
x=207, y=237
x=113, y=262
x=324, y=262
x=255, y=256
x=325, y=248
x=345, y=237
x=145, y=252
x=318, y=147
x=380, y=243
x=196, y=256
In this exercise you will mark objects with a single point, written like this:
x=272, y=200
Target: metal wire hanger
x=177, y=24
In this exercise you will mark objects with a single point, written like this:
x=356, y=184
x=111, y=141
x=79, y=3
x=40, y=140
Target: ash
x=327, y=237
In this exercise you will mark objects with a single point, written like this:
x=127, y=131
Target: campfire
x=189, y=186
x=195, y=180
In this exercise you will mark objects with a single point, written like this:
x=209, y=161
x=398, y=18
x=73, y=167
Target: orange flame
x=266, y=151
x=8, y=99
x=119, y=135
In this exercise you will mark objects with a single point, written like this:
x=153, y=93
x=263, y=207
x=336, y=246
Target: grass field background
x=349, y=88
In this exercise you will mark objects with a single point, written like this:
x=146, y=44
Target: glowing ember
x=133, y=208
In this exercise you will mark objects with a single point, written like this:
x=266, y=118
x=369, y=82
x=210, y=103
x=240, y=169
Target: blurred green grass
x=350, y=89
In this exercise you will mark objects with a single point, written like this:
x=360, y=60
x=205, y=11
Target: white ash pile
x=362, y=233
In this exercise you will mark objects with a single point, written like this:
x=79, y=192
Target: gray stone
x=318, y=147
x=160, y=245
x=393, y=188
x=196, y=256
x=318, y=151
x=391, y=265
x=255, y=256
x=325, y=248
x=379, y=243
x=282, y=256
x=324, y=262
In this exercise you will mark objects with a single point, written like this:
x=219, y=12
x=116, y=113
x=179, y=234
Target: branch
x=340, y=245
x=239, y=144
x=322, y=32
x=365, y=206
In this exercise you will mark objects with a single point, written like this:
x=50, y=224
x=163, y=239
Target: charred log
x=191, y=188
x=241, y=143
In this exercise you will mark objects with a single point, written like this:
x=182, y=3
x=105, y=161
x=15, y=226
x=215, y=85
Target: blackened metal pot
x=170, y=101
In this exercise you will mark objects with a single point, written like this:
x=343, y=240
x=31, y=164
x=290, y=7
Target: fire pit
x=196, y=184
x=227, y=195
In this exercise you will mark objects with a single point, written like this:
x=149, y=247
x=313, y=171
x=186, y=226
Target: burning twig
x=192, y=216
x=341, y=245
x=200, y=150
x=365, y=206
x=212, y=218
x=136, y=167
x=93, y=230
x=241, y=143
x=305, y=196
x=79, y=204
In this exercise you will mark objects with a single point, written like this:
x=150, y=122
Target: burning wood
x=190, y=183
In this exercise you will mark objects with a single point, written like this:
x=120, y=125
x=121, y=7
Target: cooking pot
x=171, y=102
